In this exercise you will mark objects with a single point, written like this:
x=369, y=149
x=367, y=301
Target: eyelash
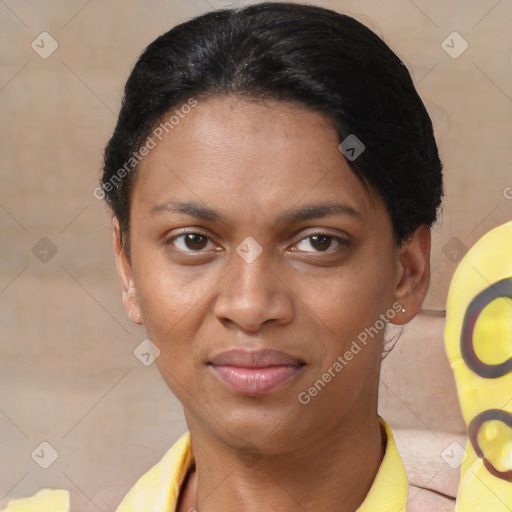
x=341, y=241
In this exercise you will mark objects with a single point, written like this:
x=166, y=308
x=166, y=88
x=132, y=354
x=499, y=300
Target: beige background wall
x=68, y=375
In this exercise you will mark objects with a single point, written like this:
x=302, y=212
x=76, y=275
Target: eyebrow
x=293, y=215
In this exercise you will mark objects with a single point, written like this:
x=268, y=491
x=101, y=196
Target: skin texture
x=432, y=483
x=251, y=162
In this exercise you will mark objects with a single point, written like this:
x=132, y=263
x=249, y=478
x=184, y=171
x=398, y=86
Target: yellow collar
x=158, y=489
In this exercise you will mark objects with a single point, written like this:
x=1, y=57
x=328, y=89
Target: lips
x=255, y=372
x=255, y=358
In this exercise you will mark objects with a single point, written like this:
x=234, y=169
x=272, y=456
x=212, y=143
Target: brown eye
x=320, y=242
x=190, y=242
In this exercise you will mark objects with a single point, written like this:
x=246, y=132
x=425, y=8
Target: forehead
x=249, y=156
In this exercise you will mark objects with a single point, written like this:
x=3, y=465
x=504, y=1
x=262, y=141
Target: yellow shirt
x=46, y=500
x=158, y=489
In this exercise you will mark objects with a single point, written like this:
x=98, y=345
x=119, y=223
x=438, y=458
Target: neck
x=334, y=473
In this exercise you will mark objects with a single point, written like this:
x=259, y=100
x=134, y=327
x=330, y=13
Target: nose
x=252, y=294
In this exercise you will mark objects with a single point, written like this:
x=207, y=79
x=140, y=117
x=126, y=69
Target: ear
x=124, y=270
x=413, y=275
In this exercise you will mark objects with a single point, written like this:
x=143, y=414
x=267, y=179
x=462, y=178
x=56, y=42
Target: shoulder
x=46, y=500
x=158, y=489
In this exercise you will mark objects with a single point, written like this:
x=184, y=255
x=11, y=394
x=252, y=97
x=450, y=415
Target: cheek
x=172, y=308
x=168, y=294
x=350, y=304
x=351, y=299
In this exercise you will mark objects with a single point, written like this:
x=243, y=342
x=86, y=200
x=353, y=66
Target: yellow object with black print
x=478, y=340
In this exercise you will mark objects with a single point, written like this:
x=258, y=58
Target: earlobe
x=413, y=274
x=124, y=271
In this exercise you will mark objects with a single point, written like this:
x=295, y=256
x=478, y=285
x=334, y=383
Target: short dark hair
x=317, y=57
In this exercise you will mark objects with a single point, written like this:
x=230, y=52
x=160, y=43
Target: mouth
x=255, y=373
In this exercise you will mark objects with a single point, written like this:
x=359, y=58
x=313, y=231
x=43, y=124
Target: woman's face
x=266, y=265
